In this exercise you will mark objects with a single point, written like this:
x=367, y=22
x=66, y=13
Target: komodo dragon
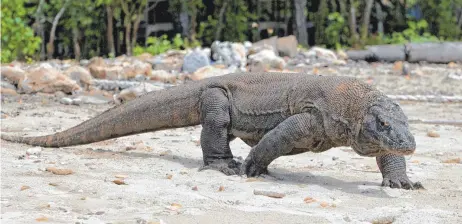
x=277, y=114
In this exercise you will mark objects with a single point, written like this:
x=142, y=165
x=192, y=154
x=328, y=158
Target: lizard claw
x=252, y=169
x=228, y=167
x=401, y=182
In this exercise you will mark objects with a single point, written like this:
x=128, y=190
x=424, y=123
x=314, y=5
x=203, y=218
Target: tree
x=50, y=45
x=133, y=11
x=300, y=21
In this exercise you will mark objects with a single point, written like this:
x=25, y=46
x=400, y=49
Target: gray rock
x=195, y=60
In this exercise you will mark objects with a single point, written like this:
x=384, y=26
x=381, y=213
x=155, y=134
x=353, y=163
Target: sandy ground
x=163, y=184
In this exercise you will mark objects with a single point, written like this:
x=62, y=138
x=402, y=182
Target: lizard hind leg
x=215, y=120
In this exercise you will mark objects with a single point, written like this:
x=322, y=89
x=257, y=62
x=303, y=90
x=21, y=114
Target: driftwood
x=439, y=122
x=379, y=53
x=443, y=52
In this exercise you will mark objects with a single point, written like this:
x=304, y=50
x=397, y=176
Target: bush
x=18, y=39
x=159, y=45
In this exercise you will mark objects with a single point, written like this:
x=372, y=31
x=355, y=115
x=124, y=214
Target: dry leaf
x=42, y=219
x=415, y=161
x=309, y=200
x=169, y=176
x=57, y=171
x=121, y=176
x=175, y=206
x=221, y=188
x=433, y=134
x=456, y=160
x=324, y=204
x=25, y=187
x=119, y=182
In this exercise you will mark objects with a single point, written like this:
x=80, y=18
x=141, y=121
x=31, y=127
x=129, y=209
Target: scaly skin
x=278, y=114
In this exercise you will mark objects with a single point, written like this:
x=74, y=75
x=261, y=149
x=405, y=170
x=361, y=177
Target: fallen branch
x=428, y=98
x=441, y=122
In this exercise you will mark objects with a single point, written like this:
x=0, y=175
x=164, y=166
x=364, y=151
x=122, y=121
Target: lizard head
x=384, y=129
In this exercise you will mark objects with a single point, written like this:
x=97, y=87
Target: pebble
x=334, y=158
x=34, y=151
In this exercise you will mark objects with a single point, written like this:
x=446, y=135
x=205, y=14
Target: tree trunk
x=184, y=18
x=366, y=19
x=380, y=17
x=300, y=21
x=286, y=17
x=38, y=28
x=352, y=19
x=220, y=20
x=75, y=38
x=128, y=43
x=110, y=30
x=136, y=25
x=50, y=45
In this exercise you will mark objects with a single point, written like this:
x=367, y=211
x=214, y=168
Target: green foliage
x=159, y=45
x=336, y=31
x=17, y=38
x=441, y=17
x=234, y=25
x=416, y=33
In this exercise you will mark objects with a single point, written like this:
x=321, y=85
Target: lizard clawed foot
x=252, y=169
x=401, y=182
x=227, y=166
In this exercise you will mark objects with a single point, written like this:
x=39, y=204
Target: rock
x=163, y=76
x=265, y=60
x=7, y=85
x=6, y=91
x=144, y=56
x=269, y=43
x=79, y=74
x=25, y=187
x=134, y=67
x=230, y=54
x=171, y=60
x=13, y=74
x=34, y=151
x=287, y=46
x=66, y=101
x=322, y=53
x=46, y=79
x=207, y=72
x=195, y=60
x=134, y=92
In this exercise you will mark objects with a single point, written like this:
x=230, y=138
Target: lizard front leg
x=215, y=138
x=278, y=142
x=393, y=169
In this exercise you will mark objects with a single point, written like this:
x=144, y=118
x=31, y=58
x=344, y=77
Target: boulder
x=162, y=76
x=46, y=79
x=13, y=74
x=195, y=60
x=287, y=46
x=265, y=60
x=80, y=75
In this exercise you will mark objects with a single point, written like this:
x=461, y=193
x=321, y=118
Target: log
x=443, y=52
x=387, y=53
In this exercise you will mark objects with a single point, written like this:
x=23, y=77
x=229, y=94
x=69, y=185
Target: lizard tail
x=164, y=109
